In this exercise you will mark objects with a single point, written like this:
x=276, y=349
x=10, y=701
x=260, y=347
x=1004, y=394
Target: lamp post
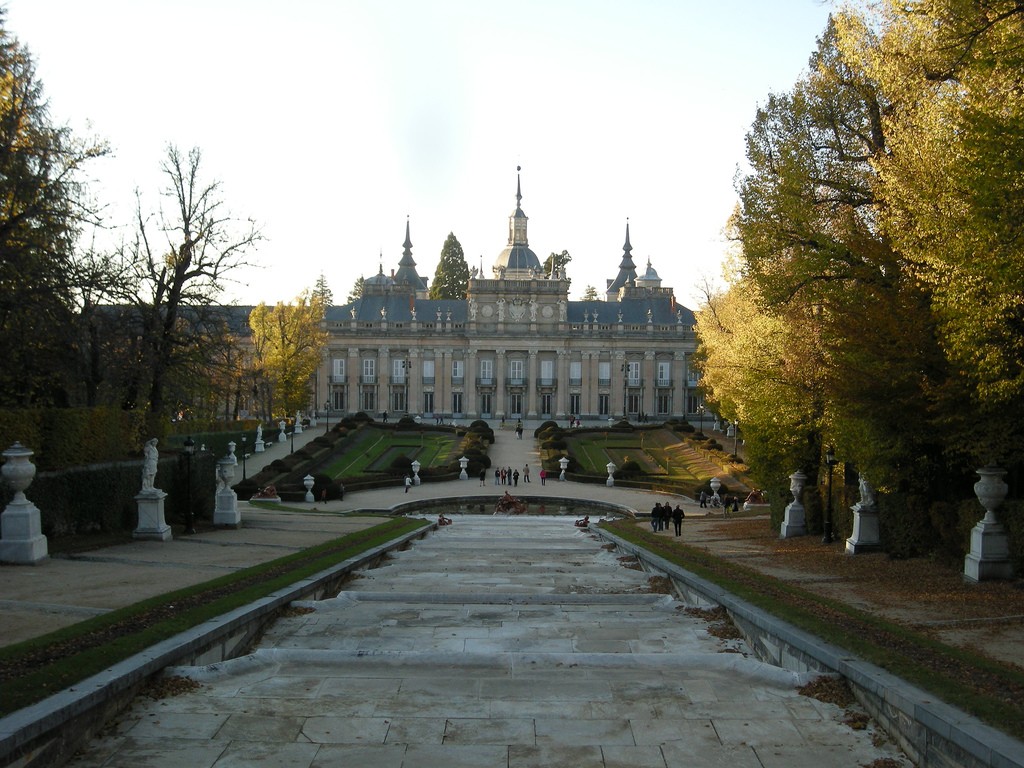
x=188, y=449
x=830, y=460
x=700, y=414
x=735, y=438
x=327, y=416
x=293, y=440
x=243, y=457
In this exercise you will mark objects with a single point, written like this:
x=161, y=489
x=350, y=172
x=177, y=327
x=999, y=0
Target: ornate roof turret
x=517, y=260
x=627, y=270
x=650, y=278
x=406, y=274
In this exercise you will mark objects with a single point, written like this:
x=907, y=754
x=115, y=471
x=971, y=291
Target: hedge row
x=66, y=437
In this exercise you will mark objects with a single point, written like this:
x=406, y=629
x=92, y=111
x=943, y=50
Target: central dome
x=517, y=260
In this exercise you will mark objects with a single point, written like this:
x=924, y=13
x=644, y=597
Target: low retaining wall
x=930, y=732
x=48, y=733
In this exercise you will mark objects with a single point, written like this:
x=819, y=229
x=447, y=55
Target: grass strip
x=992, y=692
x=34, y=669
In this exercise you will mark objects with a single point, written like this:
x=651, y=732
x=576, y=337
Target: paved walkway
x=508, y=642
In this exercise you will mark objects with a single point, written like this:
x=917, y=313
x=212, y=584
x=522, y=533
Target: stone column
x=648, y=382
x=679, y=385
x=562, y=385
x=414, y=382
x=617, y=405
x=21, y=528
x=353, y=370
x=383, y=379
x=532, y=373
x=470, y=406
x=500, y=374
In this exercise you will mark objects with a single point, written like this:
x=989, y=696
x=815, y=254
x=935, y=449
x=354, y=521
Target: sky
x=333, y=122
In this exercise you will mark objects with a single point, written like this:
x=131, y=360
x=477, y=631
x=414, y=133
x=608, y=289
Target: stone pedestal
x=989, y=557
x=226, y=512
x=21, y=529
x=152, y=525
x=865, y=536
x=22, y=534
x=260, y=447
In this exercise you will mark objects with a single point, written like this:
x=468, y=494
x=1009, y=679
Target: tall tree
x=323, y=291
x=357, y=289
x=42, y=208
x=953, y=181
x=590, y=293
x=181, y=256
x=289, y=340
x=452, y=276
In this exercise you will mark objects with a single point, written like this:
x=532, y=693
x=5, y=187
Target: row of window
x=400, y=370
x=514, y=404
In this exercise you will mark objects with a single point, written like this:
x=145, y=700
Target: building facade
x=515, y=347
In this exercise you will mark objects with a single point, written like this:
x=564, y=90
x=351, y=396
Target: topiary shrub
x=546, y=425
x=629, y=469
x=401, y=465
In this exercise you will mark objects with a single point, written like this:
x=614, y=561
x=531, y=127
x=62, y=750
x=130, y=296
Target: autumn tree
x=180, y=256
x=953, y=182
x=288, y=340
x=357, y=290
x=43, y=208
x=451, y=279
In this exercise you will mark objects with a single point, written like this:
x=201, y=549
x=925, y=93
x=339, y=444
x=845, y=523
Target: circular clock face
x=487, y=310
x=548, y=311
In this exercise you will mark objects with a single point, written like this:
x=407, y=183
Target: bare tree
x=181, y=257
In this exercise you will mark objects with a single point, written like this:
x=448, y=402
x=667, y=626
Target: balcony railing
x=546, y=382
x=398, y=379
x=457, y=380
x=335, y=379
x=485, y=381
x=575, y=381
x=604, y=382
x=428, y=379
x=515, y=381
x=663, y=383
x=367, y=379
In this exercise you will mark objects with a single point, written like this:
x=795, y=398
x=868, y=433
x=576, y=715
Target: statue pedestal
x=21, y=528
x=152, y=525
x=865, y=536
x=795, y=521
x=226, y=512
x=989, y=557
x=260, y=447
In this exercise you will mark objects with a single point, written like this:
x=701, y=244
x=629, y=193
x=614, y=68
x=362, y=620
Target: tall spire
x=407, y=274
x=627, y=270
x=517, y=221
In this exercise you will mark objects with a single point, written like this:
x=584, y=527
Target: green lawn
x=374, y=450
x=660, y=452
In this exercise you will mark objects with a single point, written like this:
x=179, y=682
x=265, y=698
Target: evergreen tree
x=357, y=290
x=452, y=276
x=559, y=261
x=323, y=291
x=590, y=293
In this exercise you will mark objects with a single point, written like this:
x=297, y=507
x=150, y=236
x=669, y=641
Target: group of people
x=662, y=513
x=731, y=503
x=509, y=476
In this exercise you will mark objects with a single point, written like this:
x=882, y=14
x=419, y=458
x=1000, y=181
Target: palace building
x=515, y=347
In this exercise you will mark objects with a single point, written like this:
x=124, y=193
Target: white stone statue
x=413, y=311
x=563, y=309
x=501, y=309
x=383, y=313
x=259, y=432
x=353, y=313
x=472, y=309
x=150, y=457
x=533, y=310
x=867, y=493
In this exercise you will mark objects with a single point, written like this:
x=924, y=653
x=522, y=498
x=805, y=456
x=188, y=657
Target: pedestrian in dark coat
x=677, y=519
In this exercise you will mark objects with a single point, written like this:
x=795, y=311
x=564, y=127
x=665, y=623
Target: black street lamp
x=188, y=449
x=700, y=414
x=735, y=437
x=830, y=460
x=243, y=457
x=293, y=440
x=327, y=416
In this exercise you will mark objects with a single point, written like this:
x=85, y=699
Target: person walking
x=543, y=475
x=703, y=500
x=483, y=477
x=656, y=517
x=515, y=478
x=408, y=482
x=526, y=473
x=497, y=476
x=677, y=519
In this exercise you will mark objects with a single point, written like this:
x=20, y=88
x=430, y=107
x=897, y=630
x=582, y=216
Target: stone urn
x=17, y=470
x=990, y=490
x=795, y=521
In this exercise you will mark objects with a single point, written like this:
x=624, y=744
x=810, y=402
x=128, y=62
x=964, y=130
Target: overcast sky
x=331, y=121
